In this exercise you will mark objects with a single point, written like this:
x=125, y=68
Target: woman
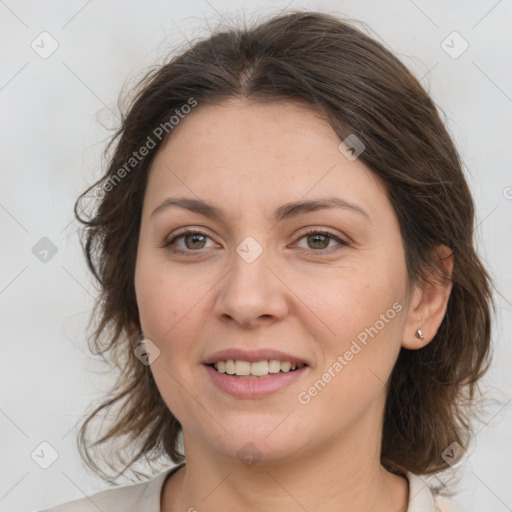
x=289, y=284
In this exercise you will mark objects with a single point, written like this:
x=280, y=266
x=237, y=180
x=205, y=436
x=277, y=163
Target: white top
x=146, y=496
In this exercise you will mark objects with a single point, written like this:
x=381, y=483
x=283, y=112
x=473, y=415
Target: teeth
x=259, y=368
x=242, y=368
x=256, y=369
x=274, y=366
x=230, y=367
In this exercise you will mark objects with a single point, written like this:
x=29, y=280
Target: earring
x=419, y=334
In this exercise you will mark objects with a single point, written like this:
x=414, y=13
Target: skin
x=301, y=295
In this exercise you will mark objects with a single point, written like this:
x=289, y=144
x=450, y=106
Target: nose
x=252, y=293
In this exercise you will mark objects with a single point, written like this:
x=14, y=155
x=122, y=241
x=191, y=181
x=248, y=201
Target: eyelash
x=310, y=231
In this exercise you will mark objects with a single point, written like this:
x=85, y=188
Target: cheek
x=150, y=292
x=353, y=302
x=364, y=316
x=164, y=312
x=358, y=359
x=164, y=298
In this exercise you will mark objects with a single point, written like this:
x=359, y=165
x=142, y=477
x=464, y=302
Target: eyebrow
x=284, y=211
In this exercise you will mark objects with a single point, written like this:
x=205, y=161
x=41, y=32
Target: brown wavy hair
x=360, y=88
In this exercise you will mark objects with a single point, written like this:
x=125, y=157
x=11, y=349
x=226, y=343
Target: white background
x=53, y=113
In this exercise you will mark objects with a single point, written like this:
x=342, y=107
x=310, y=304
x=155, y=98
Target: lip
x=241, y=387
x=253, y=356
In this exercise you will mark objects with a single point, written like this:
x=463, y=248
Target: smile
x=255, y=369
x=254, y=386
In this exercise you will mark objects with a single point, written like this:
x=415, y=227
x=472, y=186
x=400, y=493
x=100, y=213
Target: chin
x=257, y=446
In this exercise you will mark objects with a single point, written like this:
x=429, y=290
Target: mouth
x=254, y=379
x=255, y=369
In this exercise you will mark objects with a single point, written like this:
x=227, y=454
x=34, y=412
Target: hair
x=360, y=88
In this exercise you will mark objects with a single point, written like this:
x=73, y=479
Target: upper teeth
x=258, y=368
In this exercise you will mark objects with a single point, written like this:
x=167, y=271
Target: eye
x=318, y=239
x=193, y=240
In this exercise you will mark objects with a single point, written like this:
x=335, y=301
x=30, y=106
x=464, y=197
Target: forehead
x=258, y=155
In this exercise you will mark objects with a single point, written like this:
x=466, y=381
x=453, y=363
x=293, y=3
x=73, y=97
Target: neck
x=324, y=480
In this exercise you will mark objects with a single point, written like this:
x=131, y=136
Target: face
x=321, y=286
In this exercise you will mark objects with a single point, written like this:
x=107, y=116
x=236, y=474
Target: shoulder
x=142, y=496
x=445, y=505
x=422, y=499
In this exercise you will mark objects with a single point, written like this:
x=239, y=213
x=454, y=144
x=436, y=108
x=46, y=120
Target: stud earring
x=419, y=334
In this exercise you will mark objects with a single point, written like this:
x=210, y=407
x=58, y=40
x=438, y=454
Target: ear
x=429, y=300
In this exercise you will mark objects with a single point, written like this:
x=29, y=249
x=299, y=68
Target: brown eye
x=194, y=241
x=319, y=240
